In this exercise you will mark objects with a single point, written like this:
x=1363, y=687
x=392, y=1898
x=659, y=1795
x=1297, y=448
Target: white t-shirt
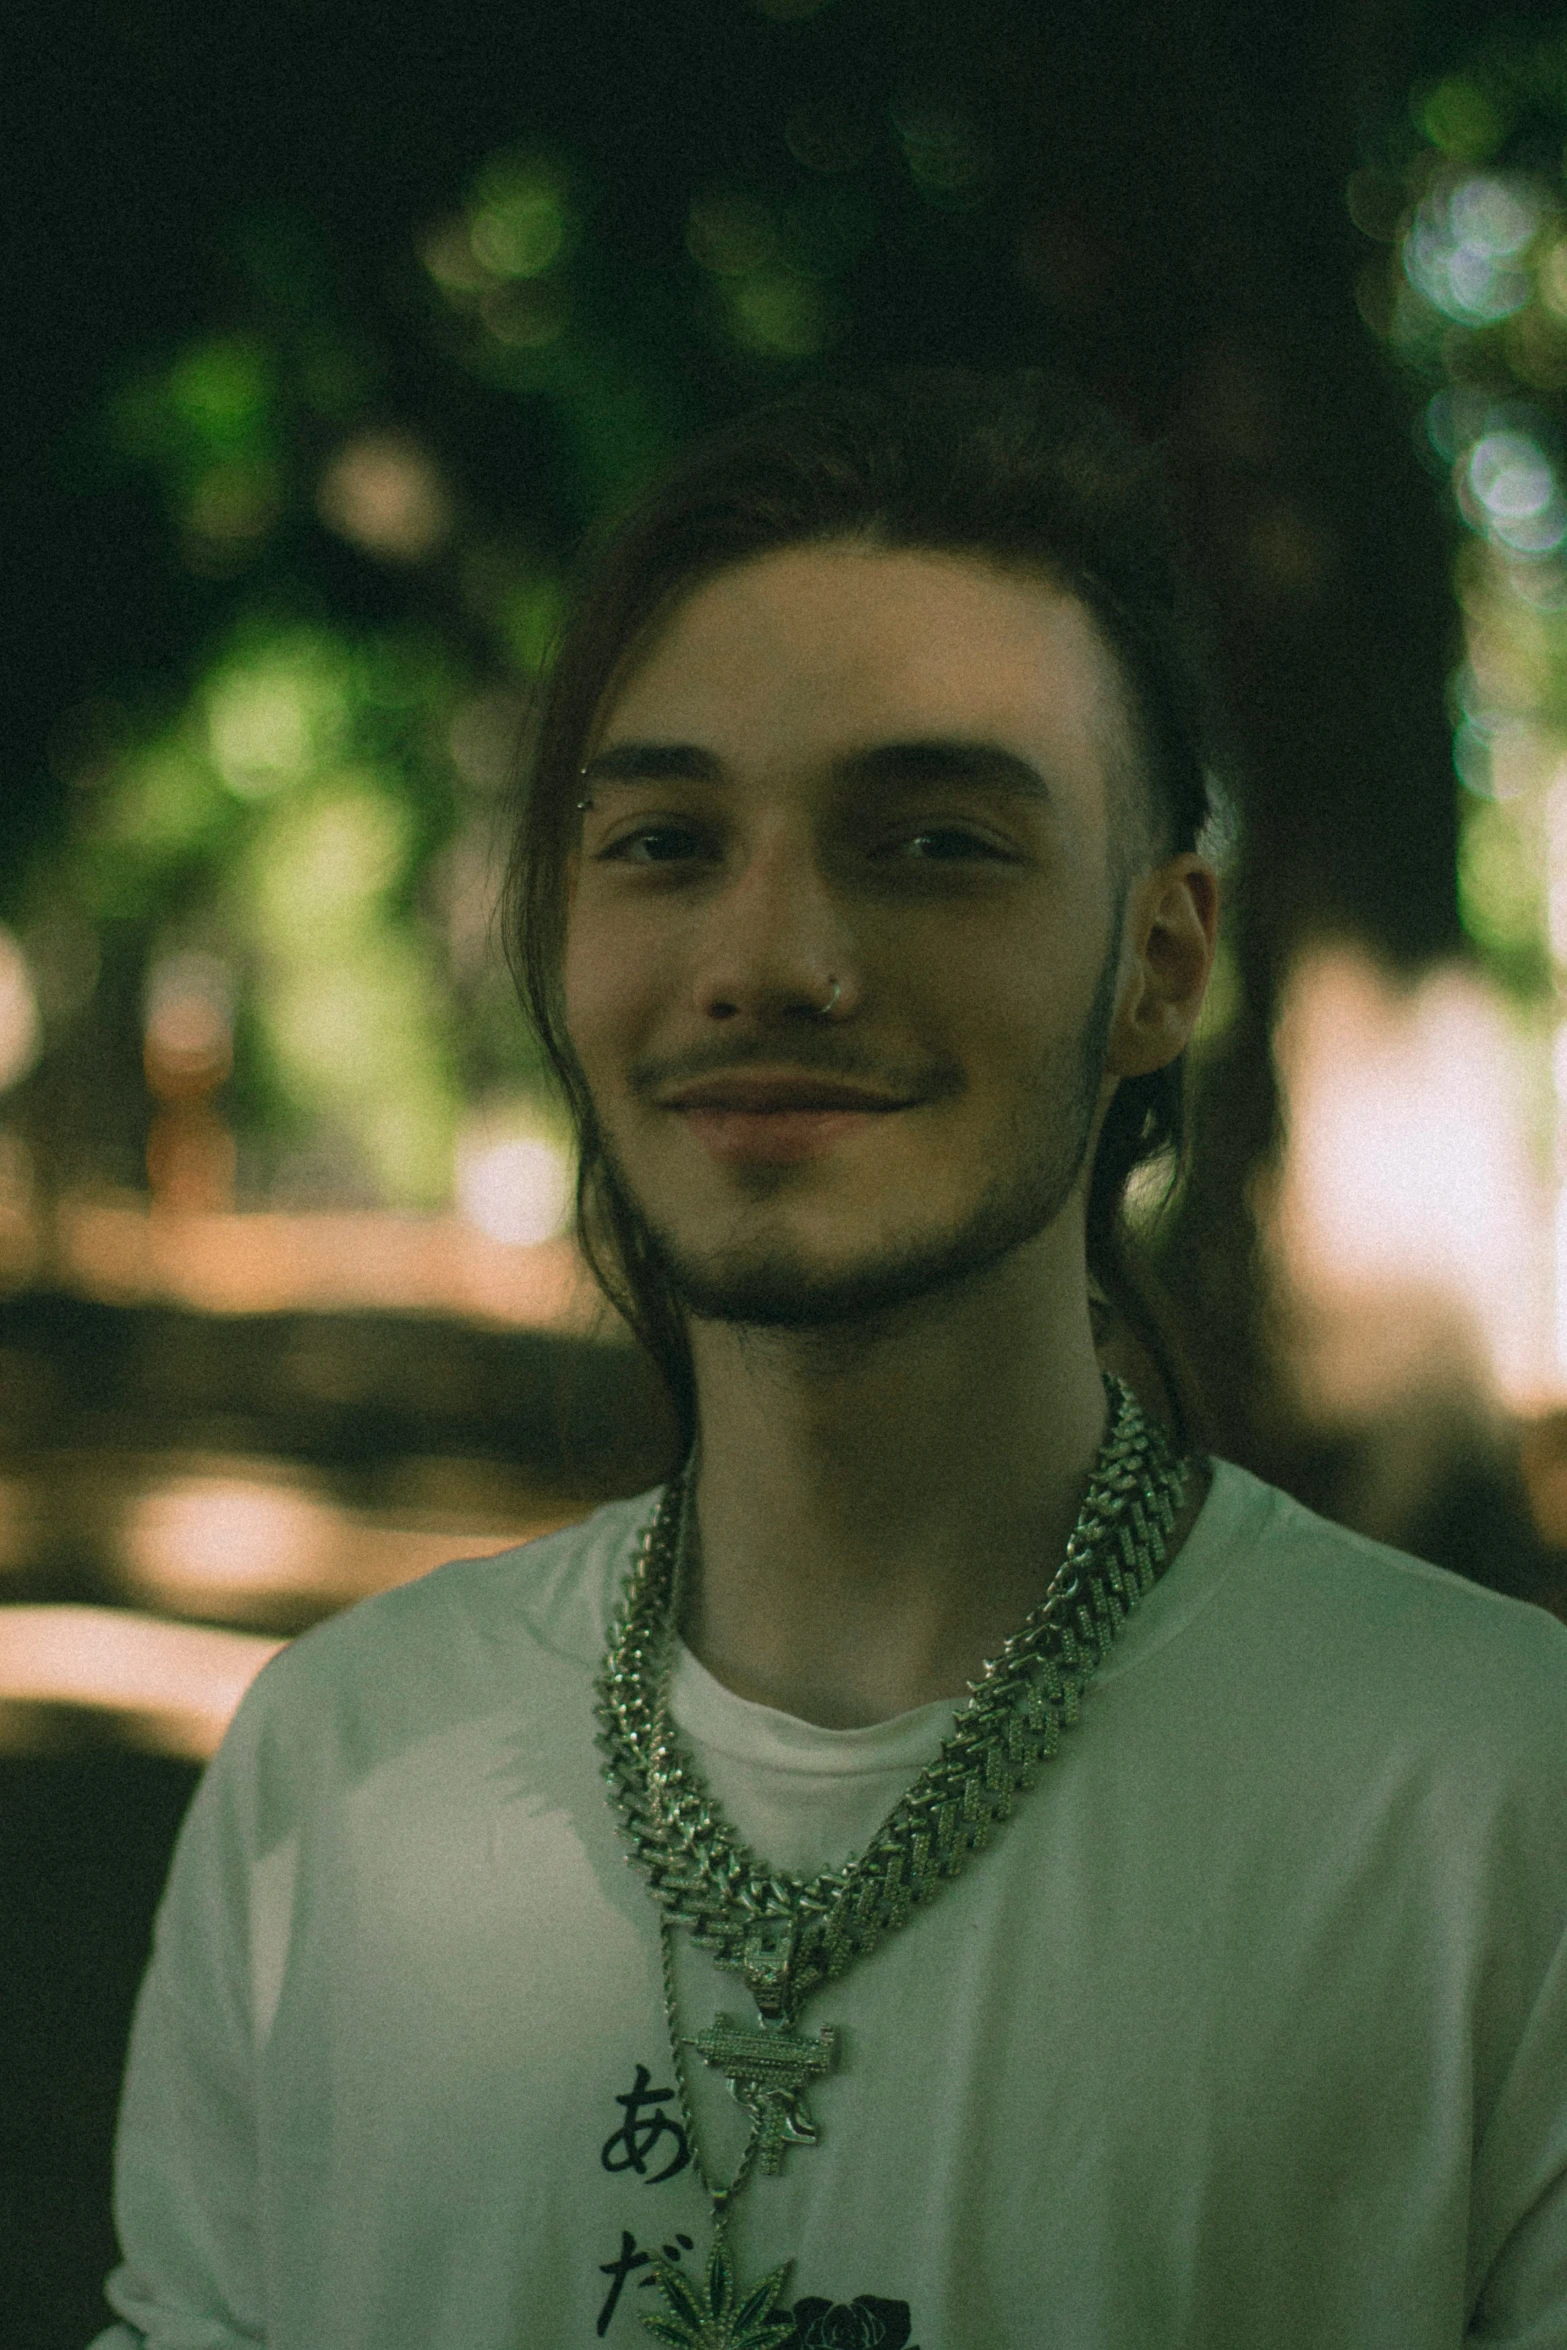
x=1249, y=2032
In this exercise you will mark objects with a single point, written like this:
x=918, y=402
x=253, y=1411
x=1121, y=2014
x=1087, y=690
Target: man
x=1075, y=1897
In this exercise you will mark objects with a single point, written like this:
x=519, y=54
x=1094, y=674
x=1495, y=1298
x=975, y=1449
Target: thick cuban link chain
x=785, y=1935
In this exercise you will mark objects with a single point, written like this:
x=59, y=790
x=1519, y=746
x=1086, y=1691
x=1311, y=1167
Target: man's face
x=883, y=773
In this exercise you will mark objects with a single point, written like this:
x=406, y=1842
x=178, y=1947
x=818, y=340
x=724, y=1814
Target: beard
x=764, y=1284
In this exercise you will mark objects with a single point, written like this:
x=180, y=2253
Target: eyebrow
x=933, y=759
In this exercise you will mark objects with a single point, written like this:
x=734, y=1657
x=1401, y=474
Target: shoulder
x=475, y=1630
x=1301, y=1555
x=1367, y=1638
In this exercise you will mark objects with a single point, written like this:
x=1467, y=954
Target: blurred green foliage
x=1469, y=193
x=320, y=803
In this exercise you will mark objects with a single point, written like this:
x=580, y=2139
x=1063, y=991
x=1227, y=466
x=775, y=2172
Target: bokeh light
x=21, y=1032
x=194, y=1544
x=172, y=1687
x=513, y=1182
x=947, y=155
x=1466, y=246
x=1508, y=477
x=276, y=710
x=1412, y=1216
x=1476, y=210
x=501, y=262
x=382, y=492
x=188, y=1030
x=519, y=223
x=774, y=302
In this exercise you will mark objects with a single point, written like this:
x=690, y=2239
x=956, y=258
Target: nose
x=774, y=944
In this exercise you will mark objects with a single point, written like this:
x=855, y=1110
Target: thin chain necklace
x=786, y=1936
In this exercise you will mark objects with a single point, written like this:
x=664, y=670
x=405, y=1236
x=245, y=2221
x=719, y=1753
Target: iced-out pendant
x=716, y=2315
x=767, y=2069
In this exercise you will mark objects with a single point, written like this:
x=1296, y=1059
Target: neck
x=881, y=1505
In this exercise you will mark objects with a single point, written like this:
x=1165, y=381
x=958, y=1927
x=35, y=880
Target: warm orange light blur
x=274, y=1262
x=20, y=1034
x=383, y=492
x=237, y=1545
x=173, y=1687
x=209, y=1538
x=1411, y=1219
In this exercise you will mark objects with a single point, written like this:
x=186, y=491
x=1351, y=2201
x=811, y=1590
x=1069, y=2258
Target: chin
x=783, y=1287
x=770, y=1274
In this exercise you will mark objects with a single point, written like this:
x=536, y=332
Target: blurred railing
x=255, y=1420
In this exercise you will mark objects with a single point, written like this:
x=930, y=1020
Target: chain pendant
x=720, y=2314
x=767, y=2071
x=786, y=1937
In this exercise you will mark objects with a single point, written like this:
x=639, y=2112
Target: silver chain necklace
x=787, y=1936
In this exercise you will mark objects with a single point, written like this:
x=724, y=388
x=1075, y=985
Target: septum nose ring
x=824, y=1010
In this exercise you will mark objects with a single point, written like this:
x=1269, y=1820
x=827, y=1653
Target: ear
x=1172, y=925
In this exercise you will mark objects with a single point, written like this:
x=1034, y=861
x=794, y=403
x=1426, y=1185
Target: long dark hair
x=1019, y=469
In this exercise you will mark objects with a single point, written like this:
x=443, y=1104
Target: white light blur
x=1510, y=476
x=1513, y=482
x=237, y=1548
x=224, y=1536
x=1410, y=1198
x=515, y=1186
x=1464, y=249
x=1456, y=416
x=1560, y=1271
x=20, y=1031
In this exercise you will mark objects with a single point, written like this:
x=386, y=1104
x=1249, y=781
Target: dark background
x=1162, y=208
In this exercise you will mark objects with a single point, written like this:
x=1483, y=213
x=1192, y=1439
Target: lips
x=776, y=1120
x=776, y=1096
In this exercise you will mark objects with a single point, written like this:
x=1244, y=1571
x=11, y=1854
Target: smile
x=758, y=1120
x=775, y=1137
x=763, y=1096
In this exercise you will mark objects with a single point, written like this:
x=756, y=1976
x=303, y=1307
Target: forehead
x=807, y=652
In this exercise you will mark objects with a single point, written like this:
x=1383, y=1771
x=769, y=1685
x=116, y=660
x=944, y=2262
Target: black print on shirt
x=637, y=2139
x=865, y=2323
x=631, y=2257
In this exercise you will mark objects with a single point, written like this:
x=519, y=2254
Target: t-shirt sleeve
x=186, y=2169
x=1520, y=2185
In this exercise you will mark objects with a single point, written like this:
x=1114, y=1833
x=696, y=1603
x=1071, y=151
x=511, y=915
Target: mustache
x=812, y=1055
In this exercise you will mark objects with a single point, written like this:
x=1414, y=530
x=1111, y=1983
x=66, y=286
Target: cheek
x=586, y=991
x=611, y=992
x=1005, y=995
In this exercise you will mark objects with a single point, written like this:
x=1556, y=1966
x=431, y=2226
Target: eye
x=655, y=844
x=947, y=844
